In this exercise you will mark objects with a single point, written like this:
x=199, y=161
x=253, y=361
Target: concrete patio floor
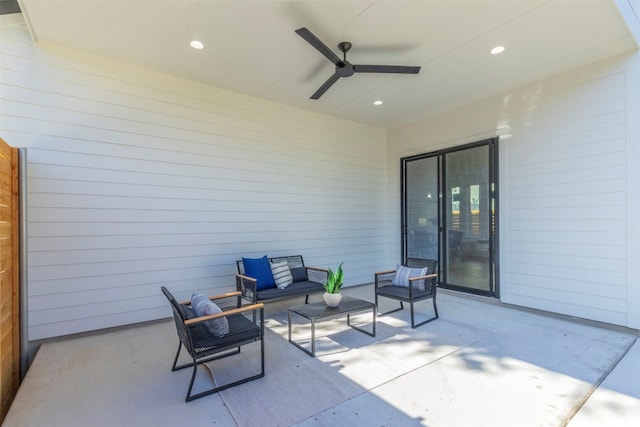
x=481, y=364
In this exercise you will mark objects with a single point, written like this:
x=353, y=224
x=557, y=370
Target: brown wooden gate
x=9, y=277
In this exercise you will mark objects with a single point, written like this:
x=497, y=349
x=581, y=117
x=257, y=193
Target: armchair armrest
x=238, y=310
x=227, y=295
x=317, y=274
x=216, y=297
x=387, y=276
x=383, y=278
x=427, y=285
x=427, y=276
x=245, y=277
x=247, y=287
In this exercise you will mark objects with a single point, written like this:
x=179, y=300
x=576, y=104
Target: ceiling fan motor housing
x=344, y=69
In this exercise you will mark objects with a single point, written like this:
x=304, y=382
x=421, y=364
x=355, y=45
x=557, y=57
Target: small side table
x=320, y=311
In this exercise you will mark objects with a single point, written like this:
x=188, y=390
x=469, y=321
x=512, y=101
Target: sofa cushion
x=281, y=274
x=299, y=274
x=296, y=288
x=259, y=269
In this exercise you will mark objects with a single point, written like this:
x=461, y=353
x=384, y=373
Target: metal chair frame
x=204, y=347
x=411, y=294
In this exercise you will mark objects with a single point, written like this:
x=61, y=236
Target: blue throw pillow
x=259, y=269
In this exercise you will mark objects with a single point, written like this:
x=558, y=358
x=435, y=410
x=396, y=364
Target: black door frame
x=494, y=262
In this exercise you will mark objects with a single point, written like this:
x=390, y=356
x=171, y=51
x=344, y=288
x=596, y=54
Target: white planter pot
x=332, y=300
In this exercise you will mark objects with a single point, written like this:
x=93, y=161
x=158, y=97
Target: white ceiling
x=251, y=46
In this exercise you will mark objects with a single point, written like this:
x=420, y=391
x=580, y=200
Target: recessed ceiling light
x=378, y=102
x=497, y=50
x=196, y=44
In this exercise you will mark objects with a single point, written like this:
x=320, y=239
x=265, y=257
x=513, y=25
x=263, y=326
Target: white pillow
x=403, y=274
x=281, y=274
x=203, y=306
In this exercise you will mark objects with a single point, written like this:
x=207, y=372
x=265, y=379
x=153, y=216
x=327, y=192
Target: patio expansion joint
x=576, y=408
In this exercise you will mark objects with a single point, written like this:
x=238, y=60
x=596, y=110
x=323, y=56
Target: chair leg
x=414, y=324
x=188, y=398
x=390, y=311
x=175, y=361
x=208, y=359
x=413, y=319
x=435, y=307
x=213, y=390
x=261, y=357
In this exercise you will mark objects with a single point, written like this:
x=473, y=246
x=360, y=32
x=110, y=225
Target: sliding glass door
x=421, y=224
x=449, y=214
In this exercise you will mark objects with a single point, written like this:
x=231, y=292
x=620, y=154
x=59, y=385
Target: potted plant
x=332, y=287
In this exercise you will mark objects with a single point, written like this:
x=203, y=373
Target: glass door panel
x=421, y=208
x=466, y=261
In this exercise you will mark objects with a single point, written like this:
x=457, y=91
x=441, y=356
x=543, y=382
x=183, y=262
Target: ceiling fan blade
x=315, y=42
x=325, y=86
x=401, y=69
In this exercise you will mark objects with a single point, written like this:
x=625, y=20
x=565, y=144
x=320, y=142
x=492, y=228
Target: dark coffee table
x=320, y=311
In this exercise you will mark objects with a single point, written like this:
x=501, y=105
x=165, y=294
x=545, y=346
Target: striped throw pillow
x=281, y=274
x=403, y=274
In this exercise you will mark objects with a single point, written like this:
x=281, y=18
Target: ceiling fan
x=343, y=67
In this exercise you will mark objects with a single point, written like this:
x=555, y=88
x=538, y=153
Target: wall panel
x=139, y=179
x=564, y=183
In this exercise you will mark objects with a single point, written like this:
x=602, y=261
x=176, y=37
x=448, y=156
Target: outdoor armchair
x=210, y=337
x=409, y=283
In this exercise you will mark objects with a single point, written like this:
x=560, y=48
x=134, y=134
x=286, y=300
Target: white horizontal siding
x=587, y=118
x=564, y=182
x=633, y=178
x=138, y=179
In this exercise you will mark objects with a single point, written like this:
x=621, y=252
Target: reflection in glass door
x=421, y=208
x=467, y=219
x=449, y=214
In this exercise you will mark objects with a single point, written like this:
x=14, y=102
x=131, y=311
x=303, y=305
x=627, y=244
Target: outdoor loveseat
x=292, y=276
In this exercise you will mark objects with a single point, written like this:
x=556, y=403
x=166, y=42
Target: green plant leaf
x=334, y=280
